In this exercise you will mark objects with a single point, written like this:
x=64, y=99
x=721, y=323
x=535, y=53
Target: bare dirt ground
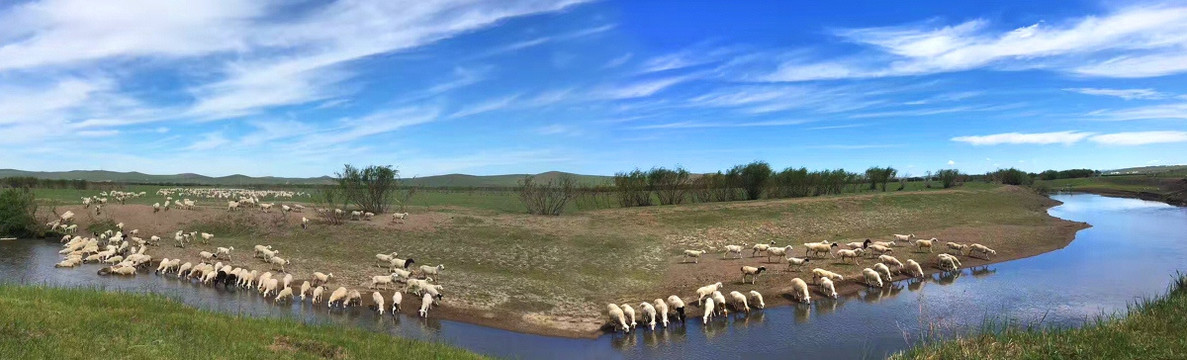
x=554, y=275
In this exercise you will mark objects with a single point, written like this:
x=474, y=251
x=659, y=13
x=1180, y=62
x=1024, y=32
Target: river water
x=1131, y=252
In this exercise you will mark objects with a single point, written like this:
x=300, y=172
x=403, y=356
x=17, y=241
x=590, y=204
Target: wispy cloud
x=1140, y=138
x=1177, y=111
x=618, y=61
x=1127, y=94
x=520, y=45
x=1060, y=137
x=209, y=141
x=486, y=106
x=695, y=124
x=642, y=88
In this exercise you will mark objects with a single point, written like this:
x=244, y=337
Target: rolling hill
x=450, y=180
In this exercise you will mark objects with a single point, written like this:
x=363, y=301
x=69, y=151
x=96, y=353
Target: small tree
x=633, y=188
x=547, y=198
x=329, y=199
x=752, y=178
x=370, y=188
x=949, y=177
x=18, y=214
x=669, y=185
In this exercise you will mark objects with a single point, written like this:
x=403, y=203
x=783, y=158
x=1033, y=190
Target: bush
x=752, y=178
x=949, y=177
x=18, y=214
x=880, y=176
x=369, y=188
x=1010, y=176
x=547, y=198
x=633, y=189
x=670, y=185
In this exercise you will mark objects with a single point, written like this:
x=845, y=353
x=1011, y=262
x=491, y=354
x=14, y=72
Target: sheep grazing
x=826, y=287
x=184, y=268
x=884, y=270
x=368, y=215
x=733, y=249
x=822, y=273
x=232, y=205
x=316, y=296
x=270, y=287
x=695, y=255
x=304, y=290
x=617, y=318
x=630, y=314
x=984, y=250
x=337, y=296
x=778, y=251
x=224, y=251
x=760, y=247
x=706, y=291
x=890, y=260
x=739, y=301
x=752, y=272
x=304, y=222
x=286, y=293
x=648, y=314
x=914, y=269
x=425, y=303
x=661, y=308
x=385, y=258
x=799, y=290
x=400, y=217
x=920, y=244
x=884, y=243
x=277, y=261
x=288, y=279
x=378, y=298
x=720, y=300
x=856, y=254
x=400, y=275
x=817, y=248
x=900, y=237
x=356, y=215
x=432, y=270
x=871, y=277
x=396, y=299
x=708, y=310
x=69, y=263
x=397, y=264
x=756, y=299
x=676, y=304
x=797, y=263
x=960, y=248
x=855, y=245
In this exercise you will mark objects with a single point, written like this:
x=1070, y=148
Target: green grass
x=54, y=323
x=1152, y=329
x=1133, y=183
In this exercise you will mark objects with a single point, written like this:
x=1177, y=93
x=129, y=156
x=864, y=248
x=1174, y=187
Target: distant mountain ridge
x=449, y=180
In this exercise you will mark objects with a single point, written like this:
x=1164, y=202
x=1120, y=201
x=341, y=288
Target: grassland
x=1170, y=186
x=53, y=323
x=1152, y=329
x=554, y=274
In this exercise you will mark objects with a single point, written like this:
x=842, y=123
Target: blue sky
x=298, y=88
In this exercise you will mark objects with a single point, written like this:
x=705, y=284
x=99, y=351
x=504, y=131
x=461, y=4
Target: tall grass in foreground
x=38, y=322
x=1151, y=329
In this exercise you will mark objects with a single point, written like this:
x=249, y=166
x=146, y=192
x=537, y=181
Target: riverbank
x=1152, y=329
x=554, y=275
x=46, y=322
x=1168, y=189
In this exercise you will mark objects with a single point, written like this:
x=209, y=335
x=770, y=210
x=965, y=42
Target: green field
x=53, y=323
x=1169, y=186
x=1152, y=329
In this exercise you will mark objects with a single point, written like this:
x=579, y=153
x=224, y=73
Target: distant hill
x=451, y=180
x=1167, y=170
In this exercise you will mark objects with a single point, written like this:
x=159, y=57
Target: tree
x=948, y=177
x=547, y=198
x=370, y=188
x=752, y=178
x=670, y=185
x=17, y=213
x=880, y=176
x=633, y=189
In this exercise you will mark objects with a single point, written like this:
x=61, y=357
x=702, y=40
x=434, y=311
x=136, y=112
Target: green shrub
x=17, y=214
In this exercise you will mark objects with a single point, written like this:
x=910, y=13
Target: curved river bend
x=1131, y=252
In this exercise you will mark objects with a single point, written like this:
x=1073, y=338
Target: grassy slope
x=1170, y=187
x=1155, y=329
x=41, y=322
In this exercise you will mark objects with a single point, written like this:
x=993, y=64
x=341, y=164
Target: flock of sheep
x=713, y=302
x=126, y=254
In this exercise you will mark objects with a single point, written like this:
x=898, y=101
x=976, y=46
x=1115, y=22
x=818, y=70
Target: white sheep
x=960, y=248
x=739, y=301
x=304, y=222
x=337, y=296
x=799, y=290
x=884, y=243
x=278, y=261
x=206, y=238
x=856, y=254
x=797, y=263
x=720, y=300
x=206, y=255
x=648, y=314
x=890, y=260
x=384, y=280
x=752, y=272
x=733, y=249
x=232, y=205
x=385, y=258
x=920, y=244
x=397, y=297
x=320, y=278
x=871, y=277
x=286, y=293
x=676, y=304
x=617, y=318
x=432, y=270
x=288, y=279
x=822, y=273
x=220, y=251
x=879, y=249
x=316, y=296
x=984, y=250
x=756, y=299
x=378, y=298
x=826, y=287
x=400, y=275
x=693, y=254
x=261, y=249
x=817, y=248
x=947, y=262
x=708, y=310
x=901, y=237
x=914, y=268
x=630, y=314
x=270, y=287
x=356, y=215
x=661, y=308
x=397, y=263
x=760, y=247
x=778, y=251
x=884, y=270
x=368, y=215
x=706, y=291
x=304, y=290
x=399, y=216
x=425, y=303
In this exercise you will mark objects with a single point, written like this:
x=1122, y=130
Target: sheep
x=890, y=260
x=720, y=300
x=154, y=240
x=617, y=318
x=947, y=262
x=184, y=268
x=356, y=215
x=822, y=273
x=269, y=287
x=760, y=247
x=287, y=294
x=884, y=243
x=960, y=248
x=733, y=249
x=368, y=215
x=417, y=286
x=400, y=275
x=920, y=244
x=304, y=290
x=871, y=277
x=316, y=296
x=266, y=207
x=432, y=270
x=397, y=263
x=163, y=265
x=756, y=299
x=260, y=249
x=826, y=287
x=879, y=249
x=693, y=254
x=752, y=272
x=796, y=262
x=901, y=237
x=69, y=263
x=206, y=238
x=914, y=269
x=425, y=303
x=984, y=250
x=206, y=255
x=778, y=251
x=739, y=301
x=708, y=310
x=123, y=270
x=304, y=222
x=648, y=314
x=336, y=296
x=278, y=261
x=707, y=290
x=385, y=258
x=630, y=314
x=288, y=279
x=884, y=270
x=114, y=260
x=286, y=208
x=854, y=253
x=661, y=309
x=68, y=216
x=799, y=290
x=232, y=205
x=378, y=298
x=399, y=216
x=818, y=248
x=397, y=297
x=675, y=303
x=219, y=252
x=381, y=280
x=320, y=278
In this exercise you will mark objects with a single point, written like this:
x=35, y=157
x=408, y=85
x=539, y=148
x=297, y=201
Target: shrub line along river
x=1130, y=253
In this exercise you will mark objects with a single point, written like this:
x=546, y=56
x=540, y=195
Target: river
x=1131, y=252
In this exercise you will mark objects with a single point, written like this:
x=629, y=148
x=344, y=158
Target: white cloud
x=1127, y=94
x=486, y=106
x=1176, y=111
x=209, y=141
x=643, y=88
x=1140, y=138
x=618, y=61
x=695, y=124
x=951, y=162
x=1060, y=137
